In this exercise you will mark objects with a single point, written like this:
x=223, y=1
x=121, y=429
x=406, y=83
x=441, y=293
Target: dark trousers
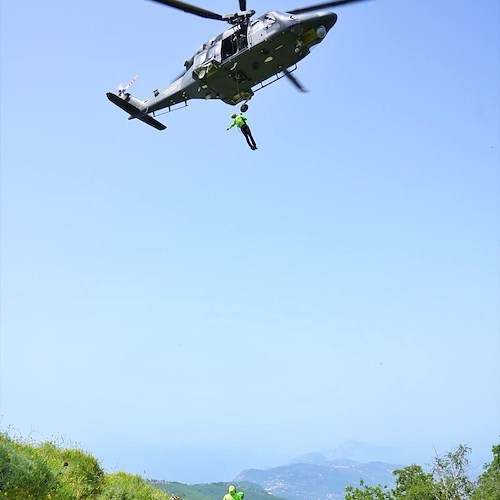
x=248, y=136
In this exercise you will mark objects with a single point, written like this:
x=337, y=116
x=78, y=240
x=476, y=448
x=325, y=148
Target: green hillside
x=212, y=491
x=46, y=471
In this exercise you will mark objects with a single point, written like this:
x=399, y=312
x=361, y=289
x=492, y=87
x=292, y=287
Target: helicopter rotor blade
x=243, y=5
x=294, y=81
x=322, y=6
x=191, y=9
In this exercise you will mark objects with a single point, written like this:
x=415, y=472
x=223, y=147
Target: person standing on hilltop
x=232, y=494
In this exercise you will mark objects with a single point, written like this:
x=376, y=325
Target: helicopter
x=232, y=66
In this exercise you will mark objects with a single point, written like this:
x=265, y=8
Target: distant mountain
x=213, y=490
x=364, y=452
x=315, y=477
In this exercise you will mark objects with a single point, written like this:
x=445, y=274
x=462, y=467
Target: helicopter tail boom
x=134, y=112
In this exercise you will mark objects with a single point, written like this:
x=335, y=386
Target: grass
x=46, y=471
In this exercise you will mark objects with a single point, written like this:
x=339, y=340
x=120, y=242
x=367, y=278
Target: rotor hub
x=239, y=17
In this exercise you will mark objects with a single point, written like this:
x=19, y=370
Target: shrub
x=79, y=474
x=23, y=473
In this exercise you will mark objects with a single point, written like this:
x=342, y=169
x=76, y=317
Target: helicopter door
x=236, y=41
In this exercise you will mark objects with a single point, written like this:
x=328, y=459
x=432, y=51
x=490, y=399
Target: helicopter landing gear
x=244, y=107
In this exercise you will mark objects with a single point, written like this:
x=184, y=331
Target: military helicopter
x=249, y=56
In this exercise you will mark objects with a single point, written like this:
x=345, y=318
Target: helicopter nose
x=328, y=19
x=324, y=20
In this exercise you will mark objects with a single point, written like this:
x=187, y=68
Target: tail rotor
x=122, y=91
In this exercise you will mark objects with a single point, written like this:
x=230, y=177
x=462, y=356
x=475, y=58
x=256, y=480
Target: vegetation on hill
x=446, y=480
x=211, y=491
x=48, y=472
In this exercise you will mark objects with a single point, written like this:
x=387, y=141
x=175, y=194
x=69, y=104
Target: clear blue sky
x=183, y=307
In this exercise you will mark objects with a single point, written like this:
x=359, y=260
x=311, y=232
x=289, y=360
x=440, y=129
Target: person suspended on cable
x=241, y=122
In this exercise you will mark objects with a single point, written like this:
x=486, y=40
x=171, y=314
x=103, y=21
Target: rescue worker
x=233, y=495
x=241, y=122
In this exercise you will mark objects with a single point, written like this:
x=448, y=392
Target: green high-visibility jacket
x=239, y=121
x=234, y=496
